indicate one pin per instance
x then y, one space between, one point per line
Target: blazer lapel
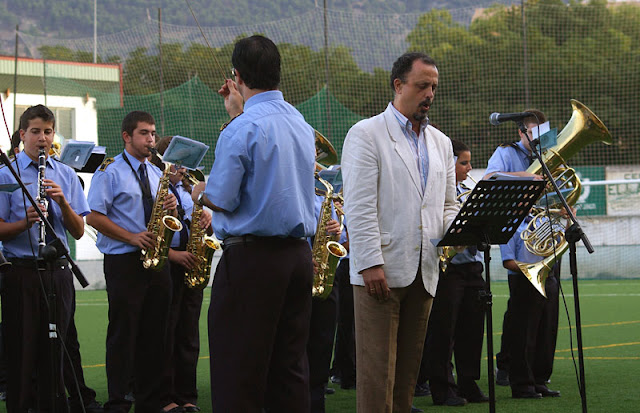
401 146
434 165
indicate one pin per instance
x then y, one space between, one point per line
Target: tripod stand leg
488 302
571 238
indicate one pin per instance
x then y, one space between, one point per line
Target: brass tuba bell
544 236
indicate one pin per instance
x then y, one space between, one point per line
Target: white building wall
85 123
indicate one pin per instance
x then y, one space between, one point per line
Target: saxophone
326 252
201 246
162 225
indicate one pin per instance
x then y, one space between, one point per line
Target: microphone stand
47 254
573 234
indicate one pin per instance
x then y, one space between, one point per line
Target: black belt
32 262
251 239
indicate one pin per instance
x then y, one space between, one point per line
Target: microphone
497 118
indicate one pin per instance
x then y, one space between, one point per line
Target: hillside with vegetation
74 18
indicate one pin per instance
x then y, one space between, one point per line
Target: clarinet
42 195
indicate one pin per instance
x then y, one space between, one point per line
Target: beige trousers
389 340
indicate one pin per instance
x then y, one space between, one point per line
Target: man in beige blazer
399 189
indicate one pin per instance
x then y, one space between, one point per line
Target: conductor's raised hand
233 101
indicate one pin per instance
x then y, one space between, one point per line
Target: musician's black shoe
477 398
414 409
177 409
191 409
526 395
422 390
452 401
469 390
546 392
92 407
335 379
329 390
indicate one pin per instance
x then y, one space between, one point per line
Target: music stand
491 215
82 156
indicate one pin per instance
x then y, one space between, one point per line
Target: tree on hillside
573 51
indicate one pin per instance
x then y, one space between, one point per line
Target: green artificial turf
611 338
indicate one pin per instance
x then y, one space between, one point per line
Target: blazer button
419 226
417 248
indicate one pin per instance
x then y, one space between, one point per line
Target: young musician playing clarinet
25 316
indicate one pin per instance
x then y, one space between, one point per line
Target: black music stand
491 215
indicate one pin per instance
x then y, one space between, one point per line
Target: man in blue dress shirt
25 314
261 190
139 298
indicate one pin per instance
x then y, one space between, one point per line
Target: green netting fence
336 71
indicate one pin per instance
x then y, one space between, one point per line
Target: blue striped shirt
417 143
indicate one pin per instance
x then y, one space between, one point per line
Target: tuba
545 234
200 244
161 224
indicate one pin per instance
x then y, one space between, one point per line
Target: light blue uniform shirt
187 205
417 143
12 204
263 172
115 192
508 159
515 248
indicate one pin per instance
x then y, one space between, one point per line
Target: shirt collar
135 164
24 161
263 97
524 150
404 121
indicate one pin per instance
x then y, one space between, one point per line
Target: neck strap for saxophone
146 194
